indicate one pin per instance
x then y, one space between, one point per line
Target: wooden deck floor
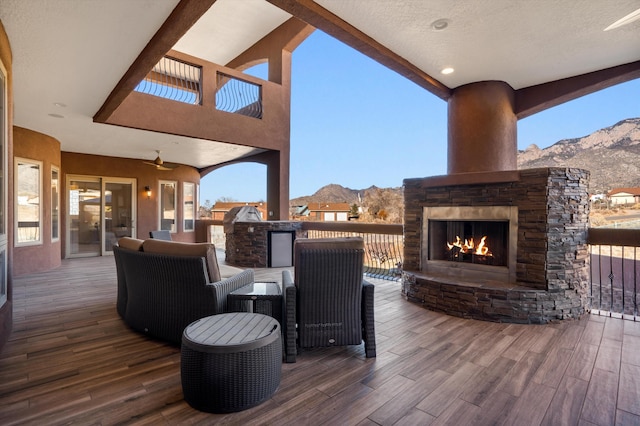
71 360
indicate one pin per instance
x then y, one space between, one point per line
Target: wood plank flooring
71 360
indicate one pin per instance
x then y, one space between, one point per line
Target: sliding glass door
100 210
118 211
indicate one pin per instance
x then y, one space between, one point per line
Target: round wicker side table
230 362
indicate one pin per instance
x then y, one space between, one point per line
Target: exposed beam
331 24
533 99
286 37
260 158
181 19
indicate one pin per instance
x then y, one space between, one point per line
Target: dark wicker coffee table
259 297
230 362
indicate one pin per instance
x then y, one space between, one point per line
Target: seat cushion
130 243
206 250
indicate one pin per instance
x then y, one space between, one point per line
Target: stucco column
482 128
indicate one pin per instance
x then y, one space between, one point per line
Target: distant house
328 212
624 196
299 212
220 208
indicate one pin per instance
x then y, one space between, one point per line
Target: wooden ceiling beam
533 99
313 14
181 19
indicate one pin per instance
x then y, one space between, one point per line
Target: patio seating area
71 359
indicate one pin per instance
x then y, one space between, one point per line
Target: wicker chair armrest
223 287
368 321
289 326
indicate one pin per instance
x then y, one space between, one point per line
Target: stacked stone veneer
552 269
247 245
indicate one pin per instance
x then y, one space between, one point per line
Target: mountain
612 155
329 194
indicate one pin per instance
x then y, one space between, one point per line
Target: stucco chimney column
482 128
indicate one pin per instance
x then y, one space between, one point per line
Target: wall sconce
147 189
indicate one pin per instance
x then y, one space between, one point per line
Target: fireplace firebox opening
470 242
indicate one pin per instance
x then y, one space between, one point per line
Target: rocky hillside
612 155
331 194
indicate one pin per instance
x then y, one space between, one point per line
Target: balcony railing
383 244
615 272
238 96
180 81
174 80
614 286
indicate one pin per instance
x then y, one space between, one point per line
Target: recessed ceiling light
633 16
60 104
56 115
447 70
440 24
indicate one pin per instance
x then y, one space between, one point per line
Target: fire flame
469 246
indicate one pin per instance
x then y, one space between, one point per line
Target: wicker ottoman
230 362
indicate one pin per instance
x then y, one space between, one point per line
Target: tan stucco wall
40 147
145 175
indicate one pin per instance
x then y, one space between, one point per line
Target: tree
204 212
384 204
226 200
354 212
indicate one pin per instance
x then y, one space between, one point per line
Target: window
168 206
55 203
28 207
4 108
189 200
3 154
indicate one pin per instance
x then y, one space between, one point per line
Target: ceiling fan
161 165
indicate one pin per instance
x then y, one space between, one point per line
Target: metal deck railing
614 285
384 244
615 272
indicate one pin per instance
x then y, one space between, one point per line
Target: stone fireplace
502 246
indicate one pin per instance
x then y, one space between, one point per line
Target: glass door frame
103 219
103 181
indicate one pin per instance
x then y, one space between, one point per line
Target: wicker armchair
328 303
165 293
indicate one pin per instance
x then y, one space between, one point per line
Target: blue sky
353 121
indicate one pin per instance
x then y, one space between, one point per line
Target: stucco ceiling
521 42
68 55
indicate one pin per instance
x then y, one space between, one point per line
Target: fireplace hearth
500 246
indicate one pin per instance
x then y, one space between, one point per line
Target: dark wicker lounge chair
329 301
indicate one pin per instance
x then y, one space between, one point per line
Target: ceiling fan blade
163 166
166 166
150 163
